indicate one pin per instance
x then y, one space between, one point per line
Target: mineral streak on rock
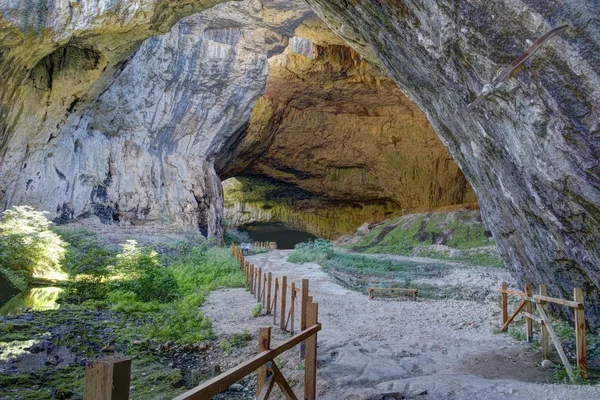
531 151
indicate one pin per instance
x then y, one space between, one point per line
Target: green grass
413 235
402 273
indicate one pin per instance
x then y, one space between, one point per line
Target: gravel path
423 350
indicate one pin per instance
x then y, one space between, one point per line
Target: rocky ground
428 349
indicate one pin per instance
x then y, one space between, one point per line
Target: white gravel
443 349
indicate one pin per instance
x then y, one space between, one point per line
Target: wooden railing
285 301
525 307
109 379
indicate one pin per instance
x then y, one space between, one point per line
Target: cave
333 119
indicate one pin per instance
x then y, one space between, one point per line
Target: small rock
363 230
108 349
546 364
236 387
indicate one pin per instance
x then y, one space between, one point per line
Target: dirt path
423 350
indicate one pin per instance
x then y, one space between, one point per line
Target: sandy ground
428 349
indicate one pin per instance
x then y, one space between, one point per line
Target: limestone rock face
532 149
335 127
102 127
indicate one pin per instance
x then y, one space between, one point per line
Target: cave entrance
283 235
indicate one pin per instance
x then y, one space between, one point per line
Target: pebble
236 387
546 364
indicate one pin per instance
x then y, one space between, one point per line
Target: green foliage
236 341
414 235
27 244
144 274
257 310
312 251
85 254
236 236
561 376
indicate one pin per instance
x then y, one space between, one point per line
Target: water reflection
38 299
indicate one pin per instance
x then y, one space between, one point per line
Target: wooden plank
269 284
395 289
529 309
532 317
504 303
283 383
573 304
222 382
544 329
580 334
513 292
310 361
267 388
556 342
252 278
514 314
283 301
371 294
107 379
264 344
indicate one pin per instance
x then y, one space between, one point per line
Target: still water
12 302
285 237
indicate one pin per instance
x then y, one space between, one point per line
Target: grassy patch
462 237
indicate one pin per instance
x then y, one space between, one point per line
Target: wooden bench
413 292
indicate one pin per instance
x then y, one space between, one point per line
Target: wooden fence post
251 283
276 294
303 304
263 294
529 309
269 283
544 339
580 333
107 379
259 285
293 300
264 344
283 301
310 362
504 303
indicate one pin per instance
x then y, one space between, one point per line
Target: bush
236 236
144 275
312 251
256 310
85 255
28 245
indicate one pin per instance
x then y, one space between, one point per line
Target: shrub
311 251
257 310
144 275
85 255
28 245
236 236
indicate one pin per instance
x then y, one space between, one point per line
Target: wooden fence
264 245
109 379
525 307
284 300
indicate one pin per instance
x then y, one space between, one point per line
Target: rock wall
262 200
531 150
95 124
333 126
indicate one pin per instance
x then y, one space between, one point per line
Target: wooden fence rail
547 333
